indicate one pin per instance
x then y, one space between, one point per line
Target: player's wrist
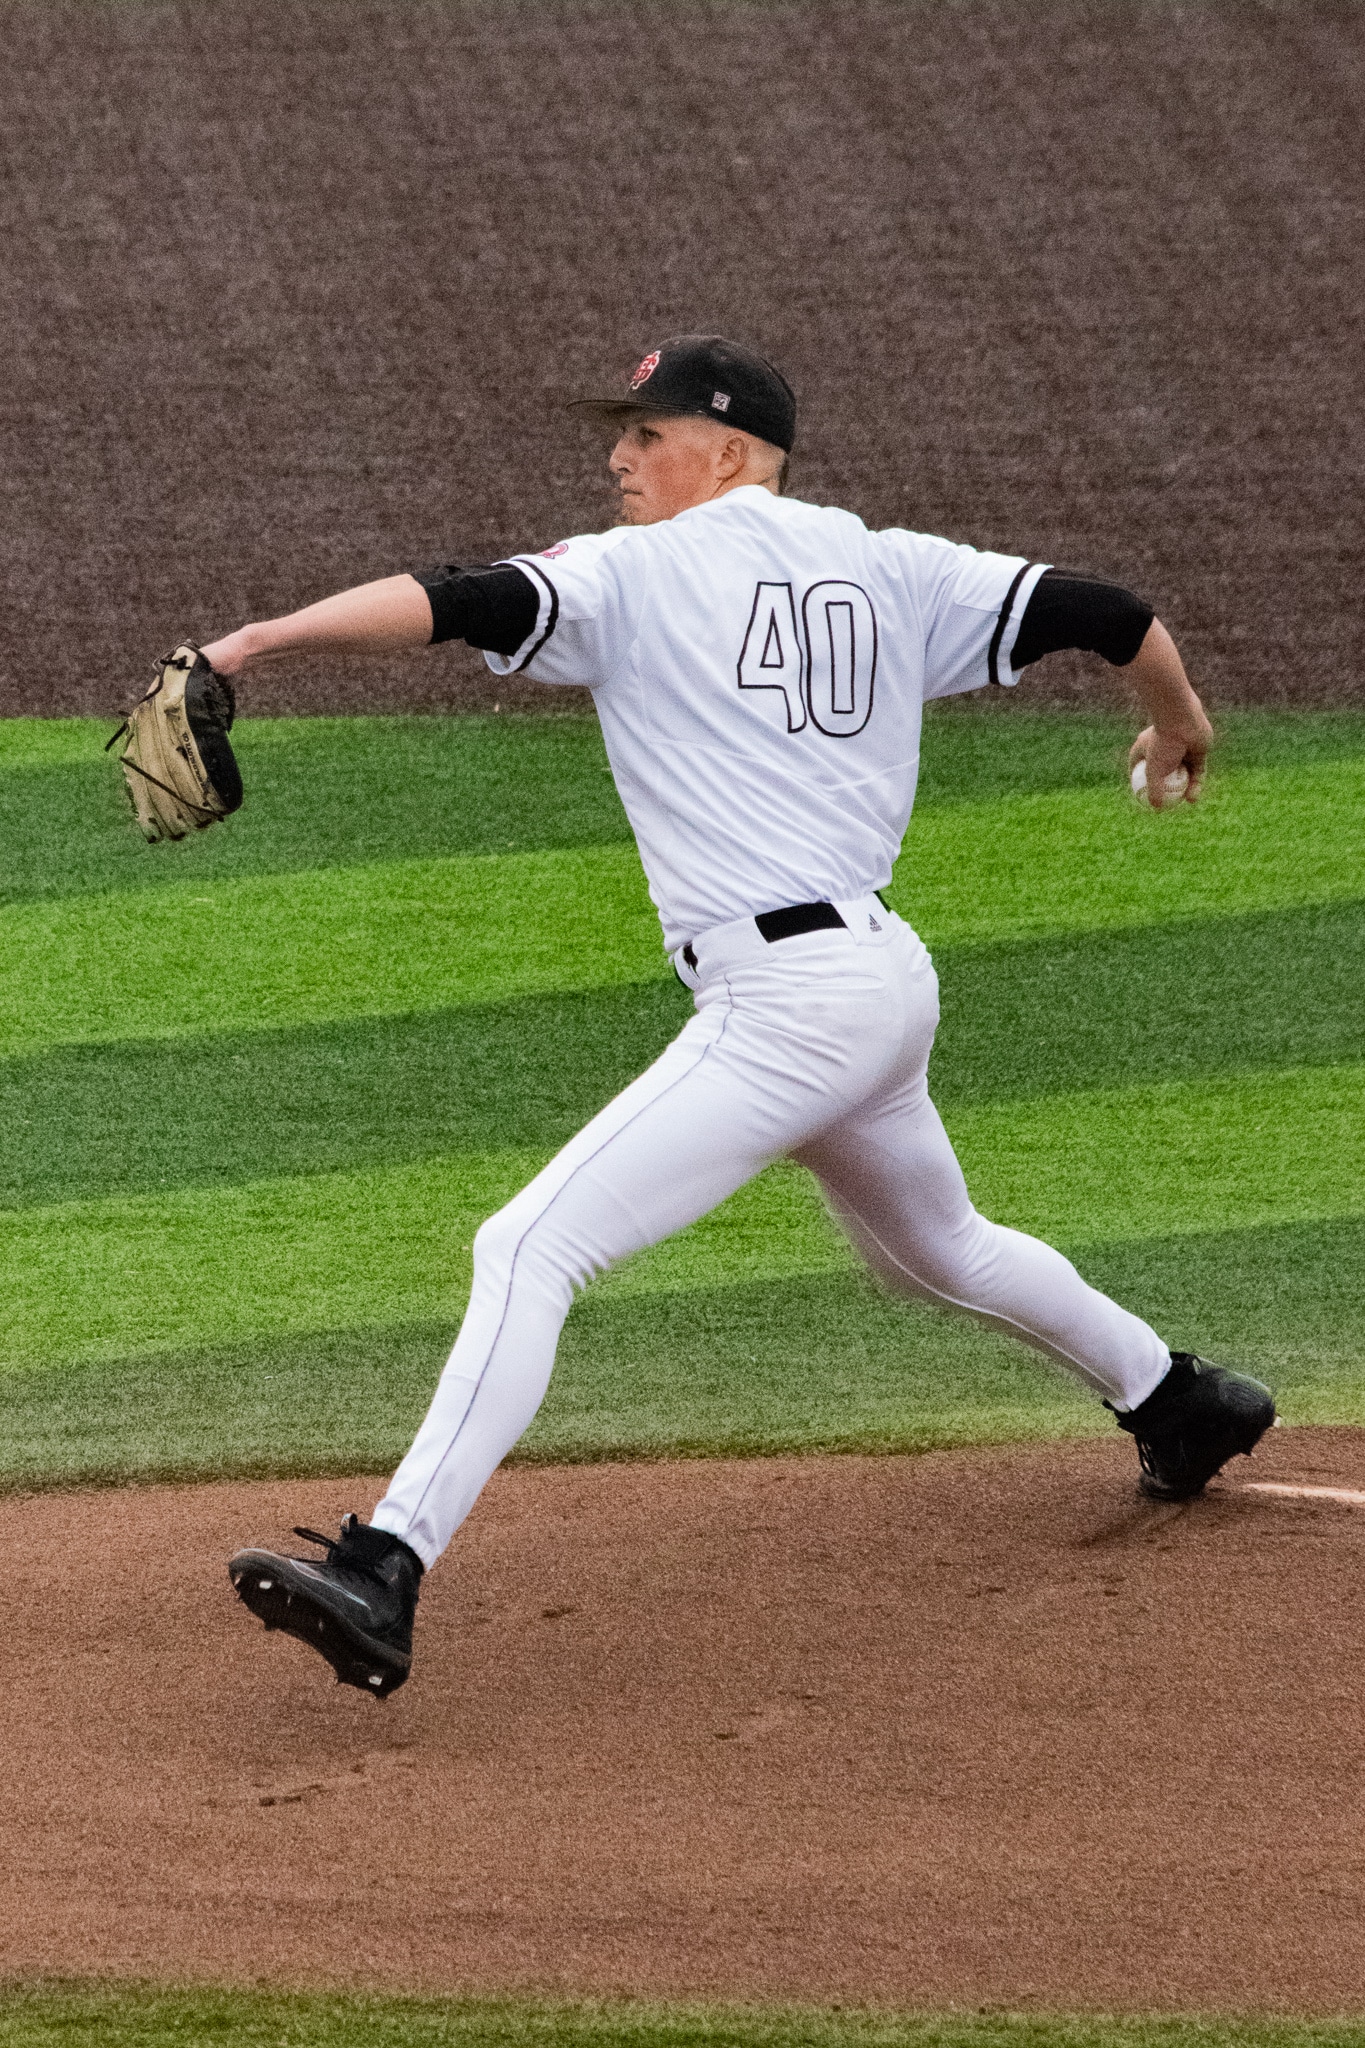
230 655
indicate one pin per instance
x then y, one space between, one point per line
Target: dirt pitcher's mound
960 1728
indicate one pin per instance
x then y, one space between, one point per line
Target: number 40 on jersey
821 655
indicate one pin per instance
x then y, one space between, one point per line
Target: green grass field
77 2016
260 1089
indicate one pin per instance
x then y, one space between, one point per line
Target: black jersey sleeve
492 606
1080 611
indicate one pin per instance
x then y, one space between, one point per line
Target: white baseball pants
816 1047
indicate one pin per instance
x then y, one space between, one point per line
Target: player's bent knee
495 1248
514 1249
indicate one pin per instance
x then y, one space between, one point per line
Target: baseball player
759 667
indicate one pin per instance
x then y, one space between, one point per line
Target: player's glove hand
177 759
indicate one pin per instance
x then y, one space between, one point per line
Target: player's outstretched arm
395 612
177 760
1177 735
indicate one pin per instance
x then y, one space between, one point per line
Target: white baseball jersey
759 667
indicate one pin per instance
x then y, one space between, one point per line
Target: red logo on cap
645 371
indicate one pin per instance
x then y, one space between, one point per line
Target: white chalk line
1343 1493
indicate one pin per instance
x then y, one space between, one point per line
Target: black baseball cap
708 377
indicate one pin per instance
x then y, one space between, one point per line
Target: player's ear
732 456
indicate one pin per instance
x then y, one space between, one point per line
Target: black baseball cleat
354 1607
1192 1423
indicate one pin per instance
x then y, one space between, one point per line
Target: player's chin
635 510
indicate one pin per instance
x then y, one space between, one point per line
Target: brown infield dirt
955 1729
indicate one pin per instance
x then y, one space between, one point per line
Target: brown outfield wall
974 1727
291 292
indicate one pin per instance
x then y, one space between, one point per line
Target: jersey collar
719 504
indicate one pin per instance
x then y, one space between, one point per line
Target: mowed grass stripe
92 1120
327 792
288 949
148 2016
802 1363
275 950
1093 860
977 747
1098 1009
1034 1018
94 1280
310 1252
1248 1150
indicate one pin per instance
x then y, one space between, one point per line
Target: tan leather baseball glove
177 760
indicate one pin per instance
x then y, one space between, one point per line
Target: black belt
788 923
798 918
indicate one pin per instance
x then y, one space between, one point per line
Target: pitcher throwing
759 667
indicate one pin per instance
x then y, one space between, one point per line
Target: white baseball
1172 789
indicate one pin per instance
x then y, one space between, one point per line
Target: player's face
663 466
